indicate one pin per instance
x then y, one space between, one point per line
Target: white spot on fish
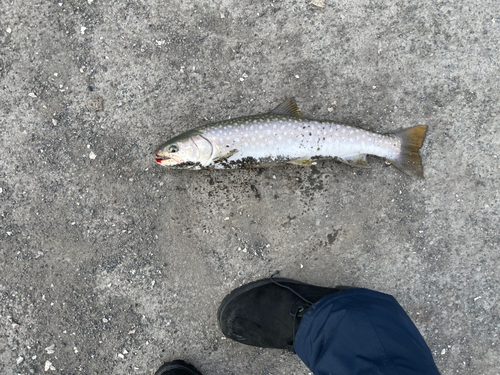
236 139
253 139
260 126
246 144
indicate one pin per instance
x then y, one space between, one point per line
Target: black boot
266 313
177 367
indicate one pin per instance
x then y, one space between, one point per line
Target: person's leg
361 331
369 332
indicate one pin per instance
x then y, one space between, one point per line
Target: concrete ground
111 264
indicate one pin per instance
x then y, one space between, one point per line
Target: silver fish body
284 136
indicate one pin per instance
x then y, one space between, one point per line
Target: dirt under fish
284 136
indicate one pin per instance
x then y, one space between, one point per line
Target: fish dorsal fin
288 107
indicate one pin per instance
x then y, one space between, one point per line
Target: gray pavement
111 264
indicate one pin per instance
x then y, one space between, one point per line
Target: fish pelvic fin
409 160
303 161
288 107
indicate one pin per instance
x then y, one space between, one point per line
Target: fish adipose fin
409 160
358 161
288 107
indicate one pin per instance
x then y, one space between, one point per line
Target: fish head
184 150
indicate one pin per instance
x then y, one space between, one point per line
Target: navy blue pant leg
361 332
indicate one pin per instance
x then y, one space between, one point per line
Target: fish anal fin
408 159
288 107
358 161
302 161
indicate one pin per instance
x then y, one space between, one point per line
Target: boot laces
299 309
290 289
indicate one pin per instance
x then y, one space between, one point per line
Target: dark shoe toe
177 367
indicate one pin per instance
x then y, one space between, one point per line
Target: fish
284 136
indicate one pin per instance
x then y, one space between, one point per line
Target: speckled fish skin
284 136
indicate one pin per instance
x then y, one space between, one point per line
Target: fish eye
173 148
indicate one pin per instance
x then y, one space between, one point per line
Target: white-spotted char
284 136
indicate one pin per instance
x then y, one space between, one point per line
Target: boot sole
245 288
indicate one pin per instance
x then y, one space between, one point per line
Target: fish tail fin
408 159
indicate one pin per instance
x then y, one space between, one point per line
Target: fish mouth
166 160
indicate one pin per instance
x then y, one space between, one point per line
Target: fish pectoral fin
288 107
228 155
303 161
358 161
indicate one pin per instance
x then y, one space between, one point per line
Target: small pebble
48 366
318 3
96 104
